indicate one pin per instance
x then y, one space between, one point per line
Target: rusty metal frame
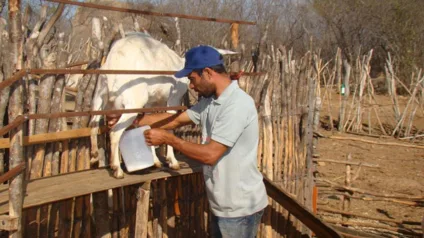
150 13
22 73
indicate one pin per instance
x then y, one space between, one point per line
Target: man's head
203 65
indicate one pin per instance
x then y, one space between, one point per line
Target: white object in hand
135 152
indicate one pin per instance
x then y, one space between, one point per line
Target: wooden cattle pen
54 190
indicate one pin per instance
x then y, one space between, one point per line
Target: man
230 132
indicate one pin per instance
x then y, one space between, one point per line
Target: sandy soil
400 172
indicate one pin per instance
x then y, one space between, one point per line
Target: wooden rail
320 228
15 123
105 112
150 13
12 173
17 76
22 118
52 137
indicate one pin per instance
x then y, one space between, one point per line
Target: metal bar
159 14
12 173
105 112
76 64
15 123
11 80
20 119
112 71
98 71
320 228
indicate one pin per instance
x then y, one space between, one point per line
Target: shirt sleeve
195 111
232 121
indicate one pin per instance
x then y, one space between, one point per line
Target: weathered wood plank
320 228
56 188
52 137
8 223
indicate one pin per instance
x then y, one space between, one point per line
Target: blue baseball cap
200 57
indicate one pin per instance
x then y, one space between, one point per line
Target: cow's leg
156 160
173 100
115 135
170 158
99 99
94 124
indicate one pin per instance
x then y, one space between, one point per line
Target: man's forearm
194 151
159 120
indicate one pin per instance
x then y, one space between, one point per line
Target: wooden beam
70 134
159 14
8 223
53 137
4 143
347 232
12 173
81 63
347 162
299 211
15 123
375 142
105 112
381 219
61 187
17 76
369 192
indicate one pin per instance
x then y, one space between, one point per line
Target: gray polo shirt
234 184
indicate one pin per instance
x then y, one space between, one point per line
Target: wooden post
345 96
164 208
346 199
142 211
267 124
391 87
235 65
309 183
177 46
84 98
8 70
100 199
16 109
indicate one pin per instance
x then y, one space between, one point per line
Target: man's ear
208 71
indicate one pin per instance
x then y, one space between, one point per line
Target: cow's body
137 52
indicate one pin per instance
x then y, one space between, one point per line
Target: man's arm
207 154
166 121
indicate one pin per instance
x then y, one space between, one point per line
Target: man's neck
224 82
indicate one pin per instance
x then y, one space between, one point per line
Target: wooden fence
285 136
170 206
286 99
349 90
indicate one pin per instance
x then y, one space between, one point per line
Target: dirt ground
400 171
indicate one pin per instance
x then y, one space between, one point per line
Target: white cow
141 52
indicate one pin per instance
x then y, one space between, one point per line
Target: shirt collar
226 93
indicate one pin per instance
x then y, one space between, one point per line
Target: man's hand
157 137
